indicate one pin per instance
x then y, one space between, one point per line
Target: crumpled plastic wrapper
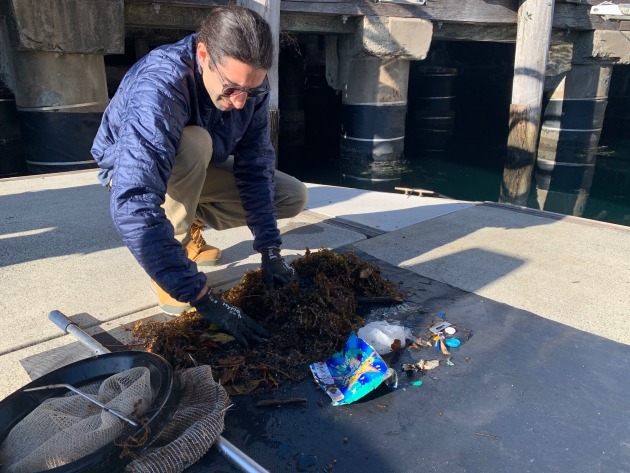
352 373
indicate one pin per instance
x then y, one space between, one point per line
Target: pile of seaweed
309 319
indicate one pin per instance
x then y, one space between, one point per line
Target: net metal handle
85 396
69 327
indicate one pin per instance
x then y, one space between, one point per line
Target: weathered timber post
532 47
270 11
371 69
59 75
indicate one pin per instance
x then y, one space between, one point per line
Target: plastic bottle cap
450 330
452 342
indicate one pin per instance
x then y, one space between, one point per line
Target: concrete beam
157 15
384 37
404 38
305 23
611 45
67 26
600 46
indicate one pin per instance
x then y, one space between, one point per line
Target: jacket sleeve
254 167
151 126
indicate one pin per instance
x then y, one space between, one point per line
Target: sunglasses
236 90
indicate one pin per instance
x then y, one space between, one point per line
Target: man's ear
202 53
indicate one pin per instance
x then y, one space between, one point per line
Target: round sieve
165 395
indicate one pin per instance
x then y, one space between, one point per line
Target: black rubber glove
276 272
230 319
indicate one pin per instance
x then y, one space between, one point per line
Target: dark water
609 200
473 172
471 165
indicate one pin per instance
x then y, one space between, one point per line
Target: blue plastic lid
452 342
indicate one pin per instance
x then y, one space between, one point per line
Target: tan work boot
199 251
168 305
203 255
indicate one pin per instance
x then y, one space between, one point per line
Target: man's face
230 74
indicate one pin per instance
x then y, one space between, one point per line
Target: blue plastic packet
352 373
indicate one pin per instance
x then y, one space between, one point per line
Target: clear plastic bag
381 335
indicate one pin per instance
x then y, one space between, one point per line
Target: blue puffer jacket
135 148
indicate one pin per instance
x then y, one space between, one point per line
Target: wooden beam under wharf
185 14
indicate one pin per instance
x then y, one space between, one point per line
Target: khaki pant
209 194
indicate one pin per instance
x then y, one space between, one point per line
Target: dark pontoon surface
525 394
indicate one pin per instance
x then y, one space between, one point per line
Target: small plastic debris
280 402
391 378
437 328
450 330
419 343
441 315
422 365
488 435
352 373
382 336
452 342
410 367
443 348
417 383
428 364
449 362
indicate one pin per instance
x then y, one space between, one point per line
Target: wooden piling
532 48
270 11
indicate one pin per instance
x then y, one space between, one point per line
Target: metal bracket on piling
421 192
612 11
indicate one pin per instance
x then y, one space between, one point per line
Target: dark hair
239 33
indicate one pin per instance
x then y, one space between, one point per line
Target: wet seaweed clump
309 320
